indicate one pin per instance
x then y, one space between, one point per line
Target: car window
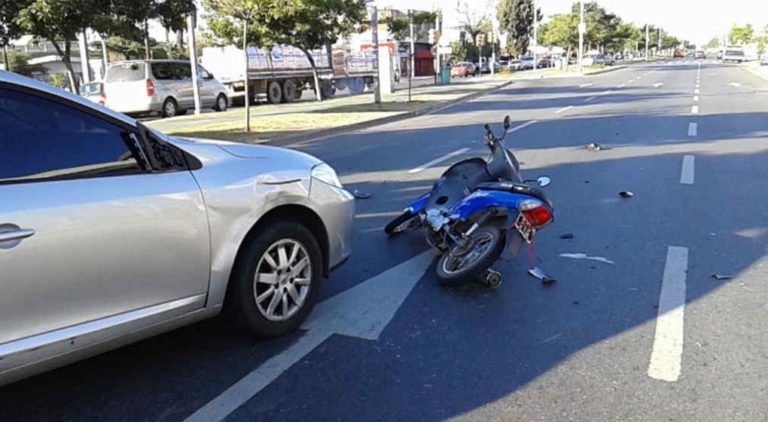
163 71
126 72
182 70
42 139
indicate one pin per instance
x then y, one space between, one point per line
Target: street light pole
647 29
375 42
582 30
193 60
413 45
535 27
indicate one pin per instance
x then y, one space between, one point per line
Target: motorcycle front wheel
459 266
401 223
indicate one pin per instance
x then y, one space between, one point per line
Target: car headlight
326 174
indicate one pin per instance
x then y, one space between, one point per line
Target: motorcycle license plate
524 227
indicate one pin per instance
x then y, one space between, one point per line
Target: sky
695 20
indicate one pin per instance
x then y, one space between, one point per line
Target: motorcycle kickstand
491 278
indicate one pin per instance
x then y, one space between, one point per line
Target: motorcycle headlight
326 174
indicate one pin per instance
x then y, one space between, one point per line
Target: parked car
111 232
93 91
526 62
678 54
463 69
544 62
764 60
593 60
608 60
486 68
514 65
700 55
160 86
733 55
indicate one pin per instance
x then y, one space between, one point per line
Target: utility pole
247 99
647 29
535 29
411 61
493 47
582 31
659 41
193 59
5 58
375 42
85 67
413 46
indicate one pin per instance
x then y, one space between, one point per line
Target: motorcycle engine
437 218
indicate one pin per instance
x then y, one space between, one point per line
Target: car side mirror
507 123
209 76
544 181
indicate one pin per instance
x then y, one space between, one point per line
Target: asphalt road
644 334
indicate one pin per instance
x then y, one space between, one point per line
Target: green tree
741 35
400 29
60 22
562 31
713 43
516 18
9 28
19 63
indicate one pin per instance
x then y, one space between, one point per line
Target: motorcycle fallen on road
471 211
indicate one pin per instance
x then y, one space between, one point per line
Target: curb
324 133
756 72
606 70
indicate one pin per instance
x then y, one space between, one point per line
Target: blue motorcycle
472 210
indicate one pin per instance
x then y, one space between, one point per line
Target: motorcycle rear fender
419 205
483 200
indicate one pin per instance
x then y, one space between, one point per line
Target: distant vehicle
113 232
608 60
93 91
514 65
733 54
526 62
700 54
463 69
618 57
544 62
160 86
594 60
486 68
764 61
678 54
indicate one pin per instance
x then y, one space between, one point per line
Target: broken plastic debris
722 276
361 195
541 275
594 146
566 236
626 194
585 256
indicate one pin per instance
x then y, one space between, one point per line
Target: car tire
170 108
221 103
274 92
245 290
289 91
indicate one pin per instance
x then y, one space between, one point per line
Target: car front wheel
274 283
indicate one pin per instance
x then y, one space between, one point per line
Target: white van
160 86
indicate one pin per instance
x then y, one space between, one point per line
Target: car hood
289 157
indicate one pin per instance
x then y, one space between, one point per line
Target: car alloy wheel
283 280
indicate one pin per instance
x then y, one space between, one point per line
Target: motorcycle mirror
507 122
544 181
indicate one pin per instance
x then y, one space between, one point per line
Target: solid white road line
589 99
524 125
687 172
693 129
621 86
438 160
667 354
606 92
564 109
695 109
695 98
630 81
586 85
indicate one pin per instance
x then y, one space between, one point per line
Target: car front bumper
336 208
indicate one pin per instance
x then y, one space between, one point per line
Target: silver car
160 86
111 232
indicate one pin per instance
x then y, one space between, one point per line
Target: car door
183 74
88 231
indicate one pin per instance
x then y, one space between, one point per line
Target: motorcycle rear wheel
456 267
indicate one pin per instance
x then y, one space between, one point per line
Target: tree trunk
180 38
5 58
318 93
67 60
147 52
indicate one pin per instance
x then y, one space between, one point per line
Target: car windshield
126 72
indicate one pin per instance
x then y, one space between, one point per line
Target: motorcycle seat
512 187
